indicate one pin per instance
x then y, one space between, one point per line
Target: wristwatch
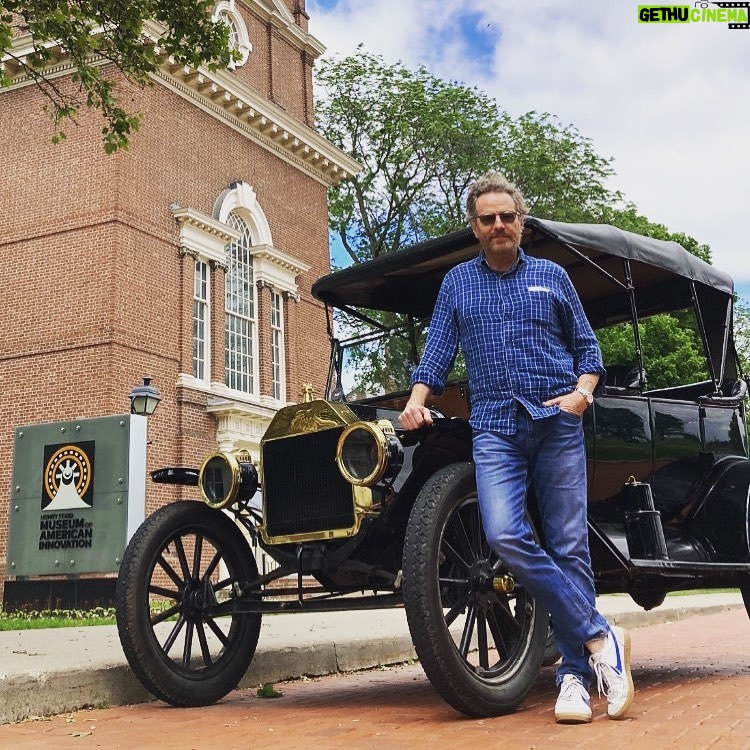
588 395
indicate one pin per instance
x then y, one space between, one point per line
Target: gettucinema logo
734 14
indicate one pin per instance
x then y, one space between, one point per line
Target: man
533 364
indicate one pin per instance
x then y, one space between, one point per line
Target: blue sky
669 103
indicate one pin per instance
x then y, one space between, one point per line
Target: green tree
89 31
672 353
672 348
559 172
422 141
742 333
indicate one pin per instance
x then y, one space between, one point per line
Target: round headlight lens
365 454
360 455
223 479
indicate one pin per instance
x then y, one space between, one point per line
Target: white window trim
277 269
241 418
240 195
203 234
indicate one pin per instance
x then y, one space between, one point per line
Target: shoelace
603 670
571 689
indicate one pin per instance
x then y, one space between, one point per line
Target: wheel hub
197 599
482 577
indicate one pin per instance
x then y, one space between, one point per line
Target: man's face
498 240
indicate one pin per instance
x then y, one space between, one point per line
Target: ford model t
356 513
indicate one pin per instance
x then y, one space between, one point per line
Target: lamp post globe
144 398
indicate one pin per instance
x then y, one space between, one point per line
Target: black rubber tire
448 572
174 557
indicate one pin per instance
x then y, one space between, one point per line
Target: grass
56 618
75 618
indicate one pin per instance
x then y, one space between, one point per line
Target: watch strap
588 395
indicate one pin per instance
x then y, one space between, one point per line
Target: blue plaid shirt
523 333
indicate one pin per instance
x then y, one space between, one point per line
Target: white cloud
670 103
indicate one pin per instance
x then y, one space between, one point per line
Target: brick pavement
692 682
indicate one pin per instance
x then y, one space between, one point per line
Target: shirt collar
521 258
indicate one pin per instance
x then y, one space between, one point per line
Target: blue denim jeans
547 455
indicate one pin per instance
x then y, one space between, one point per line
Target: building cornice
205 224
283 260
225 97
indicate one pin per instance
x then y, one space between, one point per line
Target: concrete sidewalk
44 672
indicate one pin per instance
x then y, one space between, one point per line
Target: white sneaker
612 669
572 705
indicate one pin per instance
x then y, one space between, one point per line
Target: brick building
189 258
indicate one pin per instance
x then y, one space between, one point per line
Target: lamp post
144 399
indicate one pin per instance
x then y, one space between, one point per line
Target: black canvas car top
601 260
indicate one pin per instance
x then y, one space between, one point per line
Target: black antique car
356 513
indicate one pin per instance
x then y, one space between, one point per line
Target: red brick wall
96 294
275 68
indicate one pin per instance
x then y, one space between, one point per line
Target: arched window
241 333
260 282
239 40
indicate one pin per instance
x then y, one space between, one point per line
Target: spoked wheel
480 644
183 561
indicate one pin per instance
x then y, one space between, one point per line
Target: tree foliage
559 172
90 31
671 349
742 333
422 141
417 138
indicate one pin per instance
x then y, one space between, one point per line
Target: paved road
692 682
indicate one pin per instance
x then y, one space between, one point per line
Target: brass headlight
227 477
368 452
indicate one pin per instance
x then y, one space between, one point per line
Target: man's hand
415 413
414 416
573 402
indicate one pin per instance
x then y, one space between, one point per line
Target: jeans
547 455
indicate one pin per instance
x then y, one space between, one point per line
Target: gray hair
493 182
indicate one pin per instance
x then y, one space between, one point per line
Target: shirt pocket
538 305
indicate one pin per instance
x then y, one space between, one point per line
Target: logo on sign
68 481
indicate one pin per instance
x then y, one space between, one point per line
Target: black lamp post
144 399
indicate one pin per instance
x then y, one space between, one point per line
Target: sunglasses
507 217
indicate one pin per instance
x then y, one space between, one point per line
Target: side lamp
144 399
